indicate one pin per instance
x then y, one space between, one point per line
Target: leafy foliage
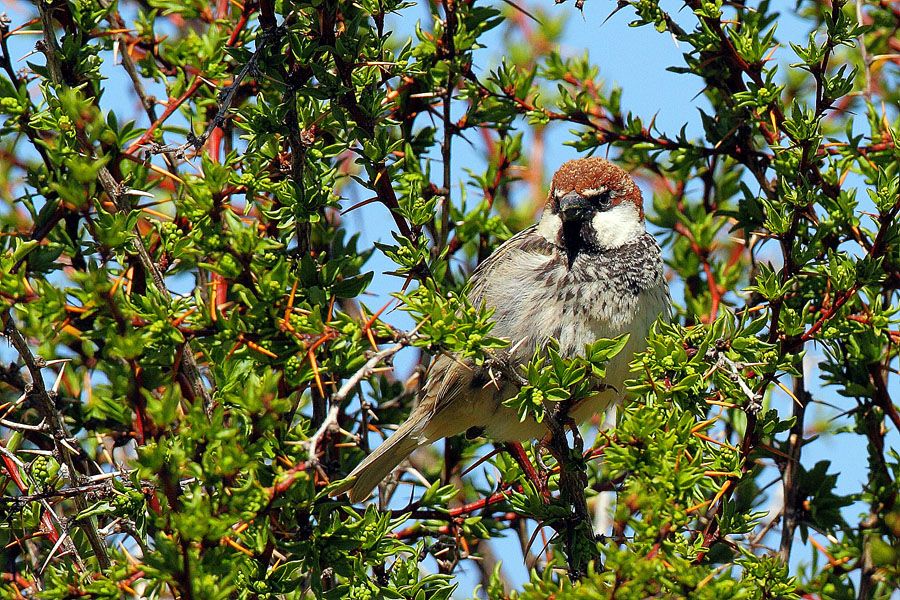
200 302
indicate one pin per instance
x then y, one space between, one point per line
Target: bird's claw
503 364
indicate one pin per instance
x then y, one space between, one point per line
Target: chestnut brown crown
595 177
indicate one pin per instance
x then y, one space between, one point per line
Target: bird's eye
600 198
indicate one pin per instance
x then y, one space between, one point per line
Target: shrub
197 352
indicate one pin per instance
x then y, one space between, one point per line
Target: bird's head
593 205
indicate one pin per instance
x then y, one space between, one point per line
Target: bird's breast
576 305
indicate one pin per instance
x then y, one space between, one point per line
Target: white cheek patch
617 226
550 226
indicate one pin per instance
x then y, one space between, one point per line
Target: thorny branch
791 510
117 194
331 421
225 102
449 48
576 529
67 448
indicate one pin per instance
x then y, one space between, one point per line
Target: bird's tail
378 465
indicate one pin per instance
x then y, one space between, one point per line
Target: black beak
573 206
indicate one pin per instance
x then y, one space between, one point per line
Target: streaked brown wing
526 241
450 376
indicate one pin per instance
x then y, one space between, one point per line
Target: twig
148 102
22 426
792 510
226 96
94 489
450 25
171 106
59 543
59 431
331 420
13 458
751 410
115 191
576 528
225 100
867 62
717 352
382 183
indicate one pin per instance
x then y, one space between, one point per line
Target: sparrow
587 270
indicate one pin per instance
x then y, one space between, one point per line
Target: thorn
133 192
32 53
359 205
619 6
53 550
524 12
59 377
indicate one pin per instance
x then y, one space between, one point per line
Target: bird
588 269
